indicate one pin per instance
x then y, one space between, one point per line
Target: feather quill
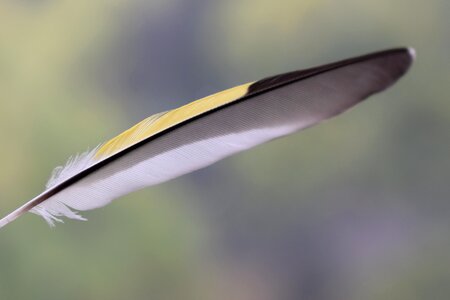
176 142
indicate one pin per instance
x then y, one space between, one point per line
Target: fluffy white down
74 165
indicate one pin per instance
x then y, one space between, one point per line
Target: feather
179 141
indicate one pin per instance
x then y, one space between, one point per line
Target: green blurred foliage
356 208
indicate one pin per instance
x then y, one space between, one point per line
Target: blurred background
356 208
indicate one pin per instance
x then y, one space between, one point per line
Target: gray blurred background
355 208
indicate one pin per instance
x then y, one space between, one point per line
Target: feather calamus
179 141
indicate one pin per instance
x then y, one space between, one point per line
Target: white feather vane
176 142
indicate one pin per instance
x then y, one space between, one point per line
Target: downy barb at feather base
179 141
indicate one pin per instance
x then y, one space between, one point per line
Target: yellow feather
162 121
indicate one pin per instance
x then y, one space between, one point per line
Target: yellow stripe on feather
162 121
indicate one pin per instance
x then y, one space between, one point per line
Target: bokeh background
356 208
